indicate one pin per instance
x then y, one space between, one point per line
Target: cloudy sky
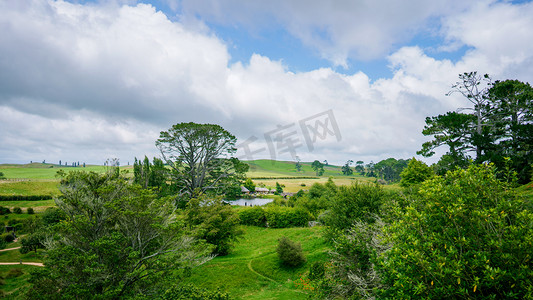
337 80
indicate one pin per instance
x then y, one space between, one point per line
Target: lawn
253 270
15 282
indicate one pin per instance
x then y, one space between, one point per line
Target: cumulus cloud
96 81
339 30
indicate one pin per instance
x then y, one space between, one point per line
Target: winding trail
9 249
22 263
19 263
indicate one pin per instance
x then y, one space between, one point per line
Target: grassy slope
253 271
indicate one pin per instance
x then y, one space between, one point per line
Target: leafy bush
358 202
191 292
8 237
31 242
17 210
30 211
214 222
4 210
467 236
283 217
254 216
290 253
415 173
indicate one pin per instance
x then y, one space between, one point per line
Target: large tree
318 167
116 240
512 114
200 156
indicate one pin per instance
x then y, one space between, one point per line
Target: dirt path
22 263
9 249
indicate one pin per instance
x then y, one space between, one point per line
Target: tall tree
200 157
346 170
475 89
512 114
116 240
318 167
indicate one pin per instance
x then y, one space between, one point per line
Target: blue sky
92 80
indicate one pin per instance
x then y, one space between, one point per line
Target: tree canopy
200 156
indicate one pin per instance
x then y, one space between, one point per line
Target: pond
250 202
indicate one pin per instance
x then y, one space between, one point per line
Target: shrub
283 217
467 236
3 244
214 222
358 202
290 253
254 216
17 210
191 292
416 172
8 237
4 210
30 211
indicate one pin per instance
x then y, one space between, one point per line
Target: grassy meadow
253 271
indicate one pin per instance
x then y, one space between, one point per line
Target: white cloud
90 82
365 29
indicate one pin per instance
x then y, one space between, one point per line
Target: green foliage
318 167
52 215
115 240
31 242
24 197
415 173
346 170
358 202
8 237
353 272
4 210
190 292
14 273
198 155
249 184
30 211
17 210
389 169
213 221
499 125
467 236
283 217
152 175
279 188
254 216
290 253
317 270
2 176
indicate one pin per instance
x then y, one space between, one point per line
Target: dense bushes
274 217
283 217
4 210
465 235
290 253
468 235
17 210
254 216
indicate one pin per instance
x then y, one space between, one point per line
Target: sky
87 81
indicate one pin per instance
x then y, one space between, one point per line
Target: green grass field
253 270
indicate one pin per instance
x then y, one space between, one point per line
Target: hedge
25 197
274 217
